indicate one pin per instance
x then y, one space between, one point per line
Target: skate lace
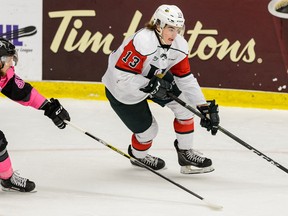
150 160
17 180
193 155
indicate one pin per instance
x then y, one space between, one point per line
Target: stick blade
213 205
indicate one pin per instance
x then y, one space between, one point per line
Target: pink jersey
35 98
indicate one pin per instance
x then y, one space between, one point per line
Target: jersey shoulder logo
19 82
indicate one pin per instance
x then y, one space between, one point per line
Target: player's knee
148 134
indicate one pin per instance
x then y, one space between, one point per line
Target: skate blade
195 170
16 191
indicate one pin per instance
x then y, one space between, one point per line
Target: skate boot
154 163
191 162
17 183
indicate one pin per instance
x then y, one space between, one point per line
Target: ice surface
78 176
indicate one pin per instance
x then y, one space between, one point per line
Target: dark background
233 20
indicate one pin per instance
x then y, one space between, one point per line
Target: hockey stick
23 32
223 130
209 204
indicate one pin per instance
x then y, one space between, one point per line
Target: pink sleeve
4 80
36 99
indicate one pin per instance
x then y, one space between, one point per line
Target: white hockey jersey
141 56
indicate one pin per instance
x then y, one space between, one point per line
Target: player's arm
23 93
189 85
130 65
20 91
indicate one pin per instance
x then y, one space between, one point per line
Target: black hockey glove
211 120
55 111
158 88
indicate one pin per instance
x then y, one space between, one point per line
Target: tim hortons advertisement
232 44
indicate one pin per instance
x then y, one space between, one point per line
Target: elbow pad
16 89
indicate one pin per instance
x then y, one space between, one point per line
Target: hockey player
13 87
147 65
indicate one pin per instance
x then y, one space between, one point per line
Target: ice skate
17 183
191 162
154 163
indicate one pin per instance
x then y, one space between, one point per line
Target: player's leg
138 118
9 179
189 160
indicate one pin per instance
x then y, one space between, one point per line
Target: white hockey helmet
170 15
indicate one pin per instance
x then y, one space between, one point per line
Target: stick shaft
237 139
226 132
141 164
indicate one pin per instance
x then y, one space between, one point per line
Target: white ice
78 176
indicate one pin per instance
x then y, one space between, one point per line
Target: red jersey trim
131 60
182 68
